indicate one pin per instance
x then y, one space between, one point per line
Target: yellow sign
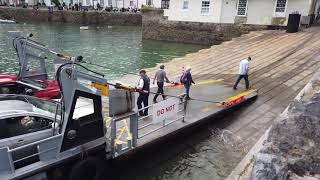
103 88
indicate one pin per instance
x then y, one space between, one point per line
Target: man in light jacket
243 72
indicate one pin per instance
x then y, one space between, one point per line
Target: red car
32 78
45 89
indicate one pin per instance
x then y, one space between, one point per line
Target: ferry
96 120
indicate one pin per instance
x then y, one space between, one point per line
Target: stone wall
291 150
155 26
77 17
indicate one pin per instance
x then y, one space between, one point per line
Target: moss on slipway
292 149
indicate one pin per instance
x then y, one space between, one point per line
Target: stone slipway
285 165
282 65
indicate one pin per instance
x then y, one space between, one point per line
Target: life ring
90 168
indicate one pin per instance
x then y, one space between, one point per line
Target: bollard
119 146
129 140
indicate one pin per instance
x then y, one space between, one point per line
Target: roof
17 104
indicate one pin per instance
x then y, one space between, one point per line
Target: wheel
90 168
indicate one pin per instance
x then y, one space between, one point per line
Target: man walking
143 89
243 72
160 76
186 80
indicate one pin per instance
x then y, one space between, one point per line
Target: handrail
34 143
128 144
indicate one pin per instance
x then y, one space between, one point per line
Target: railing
126 130
42 150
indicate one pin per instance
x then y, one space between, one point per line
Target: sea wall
157 27
291 150
154 25
77 17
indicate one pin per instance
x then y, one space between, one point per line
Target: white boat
84 27
5 21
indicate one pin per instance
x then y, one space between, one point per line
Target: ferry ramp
281 65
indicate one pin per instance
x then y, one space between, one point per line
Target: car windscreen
44 105
35 83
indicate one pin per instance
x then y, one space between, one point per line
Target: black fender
90 168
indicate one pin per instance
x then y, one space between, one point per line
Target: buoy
84 27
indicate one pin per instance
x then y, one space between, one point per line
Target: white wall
224 11
156 3
126 3
176 13
260 11
302 6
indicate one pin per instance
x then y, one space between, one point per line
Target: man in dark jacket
161 77
187 80
143 89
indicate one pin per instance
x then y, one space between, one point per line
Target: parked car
24 119
45 89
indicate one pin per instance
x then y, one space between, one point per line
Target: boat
5 21
84 27
84 129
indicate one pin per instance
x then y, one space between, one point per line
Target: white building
134 3
264 12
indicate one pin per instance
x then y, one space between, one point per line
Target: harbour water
206 153
117 49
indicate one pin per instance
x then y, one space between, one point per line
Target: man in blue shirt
243 72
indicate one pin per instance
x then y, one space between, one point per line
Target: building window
131 3
280 8
185 4
242 7
165 4
205 7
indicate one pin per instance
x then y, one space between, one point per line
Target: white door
229 9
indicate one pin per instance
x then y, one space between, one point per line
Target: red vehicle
32 78
45 89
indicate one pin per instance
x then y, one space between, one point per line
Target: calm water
207 153
117 49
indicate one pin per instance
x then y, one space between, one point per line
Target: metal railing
45 150
125 130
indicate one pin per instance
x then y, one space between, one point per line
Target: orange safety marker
234 100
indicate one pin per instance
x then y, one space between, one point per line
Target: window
131 3
242 7
205 7
84 107
280 8
165 4
16 126
185 4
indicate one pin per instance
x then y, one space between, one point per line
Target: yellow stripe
240 95
209 82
